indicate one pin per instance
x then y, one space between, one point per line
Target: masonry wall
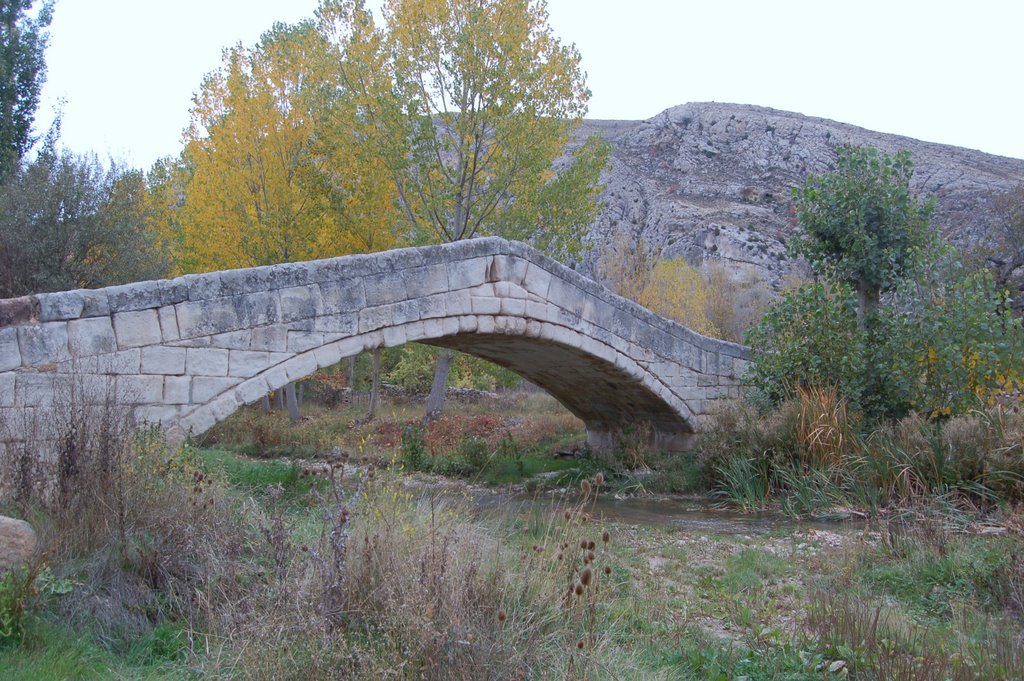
187 352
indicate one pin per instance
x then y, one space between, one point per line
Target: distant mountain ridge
709 181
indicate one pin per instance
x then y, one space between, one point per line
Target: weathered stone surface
226 339
45 343
60 306
135 329
711 182
205 388
10 355
91 336
15 311
159 359
17 543
206 362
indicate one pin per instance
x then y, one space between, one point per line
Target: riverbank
220 561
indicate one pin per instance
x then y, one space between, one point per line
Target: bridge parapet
187 352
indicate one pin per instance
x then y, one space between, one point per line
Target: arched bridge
188 352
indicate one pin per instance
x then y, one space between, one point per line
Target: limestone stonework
187 352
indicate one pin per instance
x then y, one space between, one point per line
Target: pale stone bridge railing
188 352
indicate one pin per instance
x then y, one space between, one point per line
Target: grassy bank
211 562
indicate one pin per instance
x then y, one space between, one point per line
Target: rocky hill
712 181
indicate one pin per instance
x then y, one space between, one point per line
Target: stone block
300 366
394 336
349 346
61 306
346 323
232 340
485 324
537 280
206 286
206 388
45 343
135 329
301 341
140 389
427 280
95 303
206 362
197 422
415 331
163 360
177 390
206 317
10 354
385 288
168 324
37 390
300 302
276 377
132 297
513 307
7 381
486 306
122 362
173 291
14 311
450 326
161 414
468 324
248 363
270 338
467 273
434 328
224 406
257 309
327 355
252 390
346 295
373 318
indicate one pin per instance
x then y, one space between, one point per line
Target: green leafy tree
472 105
943 342
23 42
860 223
67 221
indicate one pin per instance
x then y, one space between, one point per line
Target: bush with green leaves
895 322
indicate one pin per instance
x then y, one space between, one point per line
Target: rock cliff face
710 181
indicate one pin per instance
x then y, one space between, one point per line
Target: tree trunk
375 386
435 401
293 403
280 397
352 372
868 300
265 404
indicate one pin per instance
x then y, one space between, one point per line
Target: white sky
940 71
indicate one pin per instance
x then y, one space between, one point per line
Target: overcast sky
939 71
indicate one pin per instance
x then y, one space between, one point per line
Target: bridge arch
188 352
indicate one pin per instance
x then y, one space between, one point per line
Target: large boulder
17 542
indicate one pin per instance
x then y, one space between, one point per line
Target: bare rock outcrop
709 181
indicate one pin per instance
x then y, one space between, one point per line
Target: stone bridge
188 352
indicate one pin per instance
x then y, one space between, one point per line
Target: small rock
17 542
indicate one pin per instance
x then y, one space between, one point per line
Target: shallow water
687 514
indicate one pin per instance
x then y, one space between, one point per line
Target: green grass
51 652
251 476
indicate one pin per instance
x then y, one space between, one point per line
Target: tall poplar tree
472 105
23 42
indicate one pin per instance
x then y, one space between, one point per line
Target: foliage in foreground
813 454
896 322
